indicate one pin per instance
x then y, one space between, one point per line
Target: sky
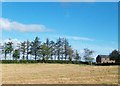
60 0
92 25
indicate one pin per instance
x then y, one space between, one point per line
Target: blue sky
86 25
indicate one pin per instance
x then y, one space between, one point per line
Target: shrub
40 61
18 61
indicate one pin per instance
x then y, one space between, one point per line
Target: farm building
104 59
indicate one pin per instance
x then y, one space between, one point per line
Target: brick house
104 59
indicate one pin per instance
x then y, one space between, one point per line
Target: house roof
104 56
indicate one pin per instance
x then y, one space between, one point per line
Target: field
58 74
0 74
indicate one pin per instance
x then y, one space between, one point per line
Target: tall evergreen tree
6 51
52 49
66 46
58 48
45 52
16 54
27 49
35 46
23 49
47 48
8 48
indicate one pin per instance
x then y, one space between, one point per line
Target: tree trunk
51 57
43 60
65 56
23 57
35 56
27 56
58 55
10 55
5 55
70 59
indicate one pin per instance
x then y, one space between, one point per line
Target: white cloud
78 38
6 24
81 38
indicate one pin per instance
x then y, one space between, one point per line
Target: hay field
0 74
58 74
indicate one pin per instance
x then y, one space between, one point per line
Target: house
104 59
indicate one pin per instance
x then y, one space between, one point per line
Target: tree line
48 50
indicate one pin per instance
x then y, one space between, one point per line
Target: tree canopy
115 55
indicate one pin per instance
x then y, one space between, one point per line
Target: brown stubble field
58 74
0 74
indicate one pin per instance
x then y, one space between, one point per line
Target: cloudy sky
86 25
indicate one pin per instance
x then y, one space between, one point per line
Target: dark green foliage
16 54
35 46
27 49
28 61
23 49
52 49
43 52
6 51
18 61
58 48
9 61
115 55
40 61
8 48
